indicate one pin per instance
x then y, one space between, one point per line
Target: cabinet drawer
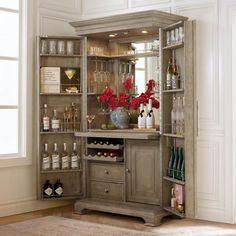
109 191
106 172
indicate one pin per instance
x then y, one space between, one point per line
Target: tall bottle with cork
150 117
141 117
46 119
173 116
46 159
169 74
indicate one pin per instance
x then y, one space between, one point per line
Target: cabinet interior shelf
59 132
60 94
174 46
174 180
60 55
175 25
60 171
105 146
173 135
173 91
64 197
103 158
174 212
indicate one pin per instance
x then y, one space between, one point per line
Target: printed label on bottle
59 191
74 162
168 81
65 162
55 162
55 124
48 191
45 123
46 163
174 81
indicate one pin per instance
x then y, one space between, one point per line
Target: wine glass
90 119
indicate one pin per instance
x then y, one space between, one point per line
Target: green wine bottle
182 171
176 161
181 159
171 162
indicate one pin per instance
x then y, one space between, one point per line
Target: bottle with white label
141 117
46 119
65 159
58 188
55 158
55 122
47 189
173 117
75 160
149 118
169 74
46 159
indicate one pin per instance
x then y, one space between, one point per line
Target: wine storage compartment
103 149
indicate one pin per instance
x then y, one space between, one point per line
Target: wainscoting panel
142 3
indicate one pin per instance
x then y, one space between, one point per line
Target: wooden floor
169 226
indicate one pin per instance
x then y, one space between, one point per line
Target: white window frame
25 76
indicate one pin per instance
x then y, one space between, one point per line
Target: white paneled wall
216 20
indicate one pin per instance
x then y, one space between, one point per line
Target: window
12 79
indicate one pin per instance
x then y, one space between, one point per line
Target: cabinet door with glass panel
60 73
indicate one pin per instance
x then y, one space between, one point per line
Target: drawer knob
127 170
106 172
106 190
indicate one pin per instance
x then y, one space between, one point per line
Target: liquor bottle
47 189
171 162
173 116
66 119
55 122
180 162
175 163
175 77
76 120
169 74
168 39
141 117
46 159
182 169
150 117
75 158
173 201
55 158
58 188
181 129
65 159
178 116
46 119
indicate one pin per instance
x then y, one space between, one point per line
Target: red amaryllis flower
150 84
128 83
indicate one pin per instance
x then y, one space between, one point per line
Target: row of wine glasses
103 71
125 70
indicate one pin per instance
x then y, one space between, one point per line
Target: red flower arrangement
124 99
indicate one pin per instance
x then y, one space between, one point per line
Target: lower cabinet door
109 191
143 173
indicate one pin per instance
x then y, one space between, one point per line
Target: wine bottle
178 116
182 170
180 162
169 74
66 119
47 189
171 162
55 122
175 163
55 158
175 77
141 117
46 119
75 158
58 188
181 130
149 118
46 159
65 160
173 116
173 201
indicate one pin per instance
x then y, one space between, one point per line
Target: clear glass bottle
65 160
55 122
182 122
173 202
75 159
66 120
175 77
173 116
55 158
178 116
46 119
46 159
169 74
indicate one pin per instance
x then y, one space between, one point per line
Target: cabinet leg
152 221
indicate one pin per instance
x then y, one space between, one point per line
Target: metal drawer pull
106 172
106 190
127 170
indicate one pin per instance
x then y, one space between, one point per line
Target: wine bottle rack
103 158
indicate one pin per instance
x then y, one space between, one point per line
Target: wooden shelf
60 171
59 132
175 25
173 91
175 46
173 135
105 146
60 94
174 212
61 198
176 181
60 55
103 158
